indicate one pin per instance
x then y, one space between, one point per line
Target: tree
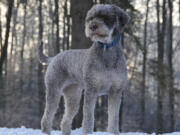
170 76
78 14
179 9
39 74
4 49
0 33
64 24
57 25
160 66
14 34
23 44
144 65
24 30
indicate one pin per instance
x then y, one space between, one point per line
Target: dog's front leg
88 112
114 101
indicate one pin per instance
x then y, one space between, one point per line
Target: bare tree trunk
68 31
57 25
4 49
24 31
67 35
52 48
40 75
14 29
2 99
159 106
22 49
170 68
144 67
179 9
0 34
159 125
160 74
78 14
64 26
3 57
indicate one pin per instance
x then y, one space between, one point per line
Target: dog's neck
106 46
117 48
110 56
109 48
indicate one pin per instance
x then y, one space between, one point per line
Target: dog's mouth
99 35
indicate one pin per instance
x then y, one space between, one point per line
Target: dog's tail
43 58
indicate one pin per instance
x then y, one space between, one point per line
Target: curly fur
95 70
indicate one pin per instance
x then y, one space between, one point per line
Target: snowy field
28 131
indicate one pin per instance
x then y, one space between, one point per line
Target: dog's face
105 22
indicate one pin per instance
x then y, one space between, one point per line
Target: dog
99 70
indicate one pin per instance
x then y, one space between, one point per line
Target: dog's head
105 22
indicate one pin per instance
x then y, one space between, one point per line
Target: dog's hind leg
72 96
114 101
53 94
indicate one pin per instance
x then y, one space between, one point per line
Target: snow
28 131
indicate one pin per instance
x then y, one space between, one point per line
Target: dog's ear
123 18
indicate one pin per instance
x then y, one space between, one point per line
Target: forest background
151 43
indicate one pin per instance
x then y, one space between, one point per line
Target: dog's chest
105 70
108 80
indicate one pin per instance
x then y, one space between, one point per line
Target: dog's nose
93 27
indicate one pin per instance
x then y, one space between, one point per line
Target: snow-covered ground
29 131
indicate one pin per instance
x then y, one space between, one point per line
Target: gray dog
99 70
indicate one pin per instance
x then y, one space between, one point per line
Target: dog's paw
45 126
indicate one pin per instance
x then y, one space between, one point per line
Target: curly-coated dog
99 70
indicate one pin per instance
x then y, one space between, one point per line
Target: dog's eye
89 19
109 21
103 17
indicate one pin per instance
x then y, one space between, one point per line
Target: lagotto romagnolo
99 70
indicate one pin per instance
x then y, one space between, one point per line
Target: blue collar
109 45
